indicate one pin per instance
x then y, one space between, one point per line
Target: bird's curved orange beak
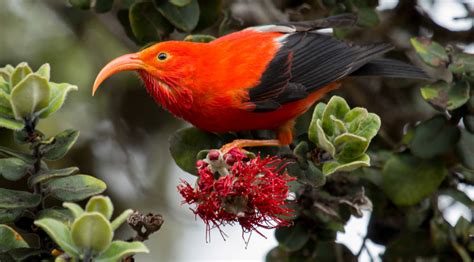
123 63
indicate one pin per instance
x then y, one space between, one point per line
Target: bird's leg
284 135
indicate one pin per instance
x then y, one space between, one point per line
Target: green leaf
336 107
147 24
103 6
6 71
368 126
350 146
30 96
468 121
19 73
187 142
75 188
184 18
61 145
407 180
4 95
13 168
434 137
367 17
10 239
60 234
199 38
74 208
81 4
9 215
10 152
118 221
322 141
180 3
92 231
331 167
462 63
292 238
312 176
46 175
209 13
120 249
59 214
44 71
444 96
57 98
430 52
11 123
313 126
101 204
18 199
465 149
354 117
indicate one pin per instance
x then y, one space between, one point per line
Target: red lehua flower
232 188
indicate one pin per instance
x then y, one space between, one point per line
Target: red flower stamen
251 192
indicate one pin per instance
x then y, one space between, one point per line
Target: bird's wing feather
305 62
337 21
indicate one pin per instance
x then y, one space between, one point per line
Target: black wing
306 62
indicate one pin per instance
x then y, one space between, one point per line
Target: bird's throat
173 98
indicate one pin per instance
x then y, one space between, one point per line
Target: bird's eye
162 56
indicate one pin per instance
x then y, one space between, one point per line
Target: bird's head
163 66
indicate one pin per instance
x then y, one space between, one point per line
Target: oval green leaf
44 71
331 167
336 107
462 63
101 204
60 214
18 199
75 188
13 168
430 52
10 239
58 94
29 96
184 18
434 137
118 221
292 238
186 143
147 24
120 249
61 144
444 96
60 233
11 123
45 175
407 180
19 73
92 231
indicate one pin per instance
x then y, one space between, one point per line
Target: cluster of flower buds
233 188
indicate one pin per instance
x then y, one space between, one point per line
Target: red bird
259 78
